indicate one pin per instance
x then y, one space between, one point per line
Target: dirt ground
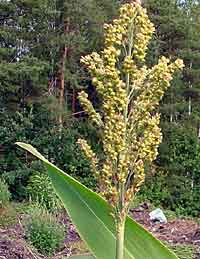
180 231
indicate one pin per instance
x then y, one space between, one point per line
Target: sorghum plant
130 135
128 122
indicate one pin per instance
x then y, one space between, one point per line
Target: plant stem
121 216
120 223
120 240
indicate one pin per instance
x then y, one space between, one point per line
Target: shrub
17 181
64 151
173 192
43 231
4 194
178 188
14 126
39 130
40 189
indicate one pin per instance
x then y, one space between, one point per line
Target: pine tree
24 67
177 24
178 35
81 24
41 44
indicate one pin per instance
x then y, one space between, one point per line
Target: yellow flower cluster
116 33
143 35
149 142
156 82
136 74
106 181
144 150
89 109
90 155
114 131
139 176
130 92
129 65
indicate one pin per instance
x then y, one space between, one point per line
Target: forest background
41 43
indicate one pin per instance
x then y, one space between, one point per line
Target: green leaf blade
83 216
91 215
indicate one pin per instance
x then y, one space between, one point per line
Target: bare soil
182 231
13 243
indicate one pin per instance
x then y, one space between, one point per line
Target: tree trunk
190 99
74 101
62 77
189 106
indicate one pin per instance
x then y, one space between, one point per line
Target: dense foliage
4 194
43 231
41 43
40 190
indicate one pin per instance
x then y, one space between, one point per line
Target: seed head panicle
130 92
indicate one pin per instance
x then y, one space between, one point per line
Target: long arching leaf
91 215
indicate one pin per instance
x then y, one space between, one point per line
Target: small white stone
158 215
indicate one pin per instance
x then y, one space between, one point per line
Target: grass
9 215
183 251
138 200
79 247
170 215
